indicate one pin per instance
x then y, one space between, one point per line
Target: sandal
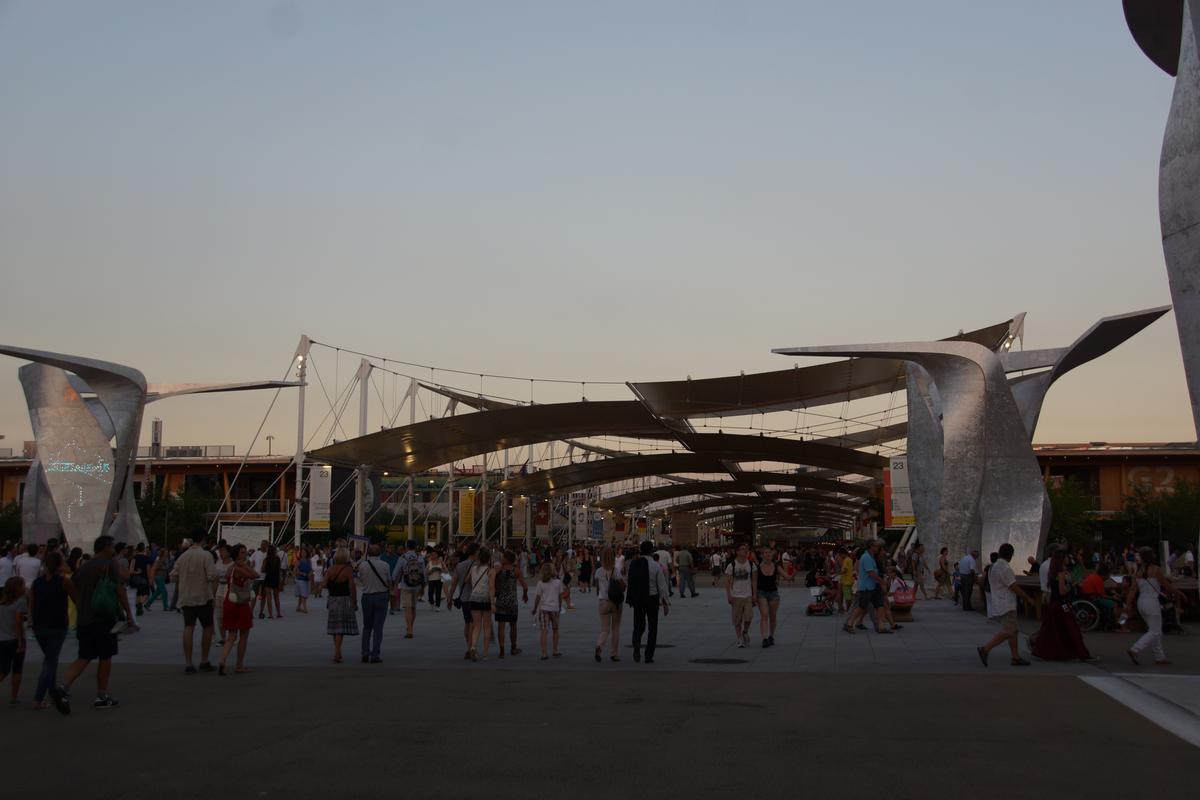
848 629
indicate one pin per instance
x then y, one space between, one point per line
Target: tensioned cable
253 441
463 371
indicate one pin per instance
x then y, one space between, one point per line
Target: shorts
1008 622
202 614
96 641
548 620
609 609
408 598
870 598
768 596
11 662
302 589
480 605
743 611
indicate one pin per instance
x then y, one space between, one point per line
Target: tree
1071 519
10 522
1172 514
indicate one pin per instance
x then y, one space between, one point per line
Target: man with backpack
409 577
98 607
647 590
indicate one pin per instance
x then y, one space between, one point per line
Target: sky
588 191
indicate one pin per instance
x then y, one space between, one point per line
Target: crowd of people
219 587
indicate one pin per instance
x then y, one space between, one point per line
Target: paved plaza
806 716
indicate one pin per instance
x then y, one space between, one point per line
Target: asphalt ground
392 732
822 714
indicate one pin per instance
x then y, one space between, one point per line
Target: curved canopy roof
670 491
424 445
740 447
798 387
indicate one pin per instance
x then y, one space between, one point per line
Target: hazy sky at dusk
602 191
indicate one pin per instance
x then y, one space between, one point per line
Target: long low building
1106 472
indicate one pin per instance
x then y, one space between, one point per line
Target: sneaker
376 660
105 702
746 638
207 667
61 698
766 643
771 639
740 645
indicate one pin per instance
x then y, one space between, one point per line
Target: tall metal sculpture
86 416
972 470
1166 31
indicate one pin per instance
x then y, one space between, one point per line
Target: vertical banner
597 530
466 513
897 501
621 527
640 527
519 530
541 525
433 531
319 478
581 522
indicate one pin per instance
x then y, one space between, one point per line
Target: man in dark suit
647 589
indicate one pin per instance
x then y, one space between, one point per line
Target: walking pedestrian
160 570
547 601
1149 585
460 591
1003 607
48 609
767 594
272 574
941 575
1059 638
870 590
919 568
342 607
685 569
14 607
481 579
376 589
611 587
139 576
504 599
434 569
195 573
741 580
646 592
99 596
237 611
967 568
304 573
409 578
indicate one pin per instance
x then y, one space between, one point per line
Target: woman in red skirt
1059 638
237 607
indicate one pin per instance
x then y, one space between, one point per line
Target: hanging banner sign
581 520
542 522
597 531
897 500
520 509
466 513
640 525
319 479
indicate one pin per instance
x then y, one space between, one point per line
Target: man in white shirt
194 574
966 574
257 559
1002 607
28 565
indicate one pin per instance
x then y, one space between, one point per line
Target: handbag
238 595
906 595
616 590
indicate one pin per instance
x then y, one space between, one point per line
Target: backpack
616 590
103 601
412 573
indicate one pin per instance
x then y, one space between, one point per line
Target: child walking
546 601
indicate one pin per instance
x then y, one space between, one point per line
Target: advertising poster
897 501
319 478
519 510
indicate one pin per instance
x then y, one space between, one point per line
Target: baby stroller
824 595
